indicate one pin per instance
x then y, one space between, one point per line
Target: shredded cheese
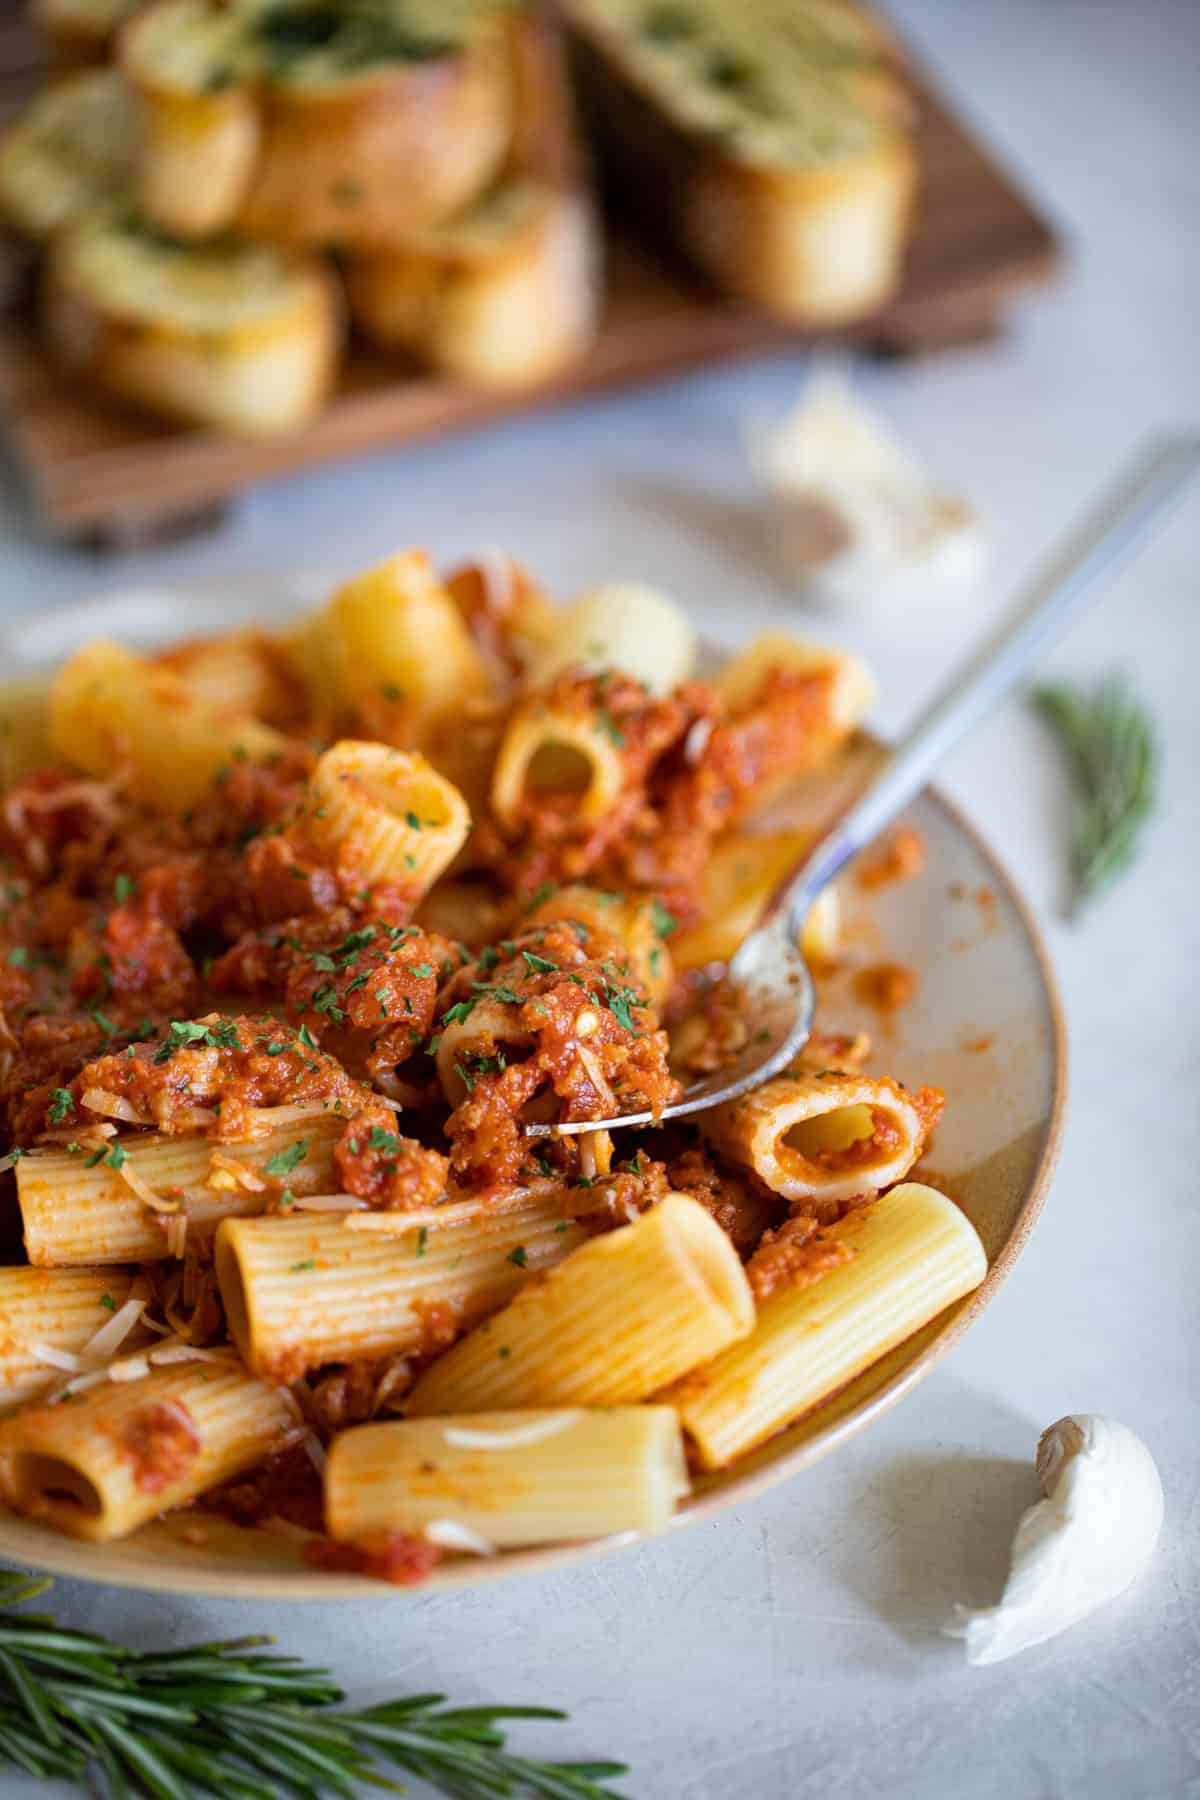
448 1534
516 1437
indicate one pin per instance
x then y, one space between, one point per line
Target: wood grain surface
978 244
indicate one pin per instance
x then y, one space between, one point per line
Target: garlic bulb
1085 1543
855 517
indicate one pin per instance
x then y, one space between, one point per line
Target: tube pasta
853 687
199 141
623 625
556 752
622 1317
110 709
915 1254
74 1214
110 1459
489 1028
24 727
241 672
510 1478
626 916
386 813
59 1309
404 659
737 884
822 1135
301 1292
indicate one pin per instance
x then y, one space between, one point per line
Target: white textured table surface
792 1649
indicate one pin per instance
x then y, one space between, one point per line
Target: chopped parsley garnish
422 1240
539 965
543 1164
105 1024
462 1010
284 1161
306 1038
540 894
182 1033
108 1303
123 887
310 1262
386 1141
18 957
610 728
62 1106
325 1000
665 921
518 1257
97 1156
619 1000
117 1157
422 970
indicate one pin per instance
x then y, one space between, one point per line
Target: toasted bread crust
79 32
72 149
820 242
250 369
355 160
365 163
506 314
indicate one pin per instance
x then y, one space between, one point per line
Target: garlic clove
855 516
1086 1542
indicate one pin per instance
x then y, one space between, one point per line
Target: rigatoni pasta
48 1317
819 1134
111 710
914 1253
619 1319
125 1451
388 814
125 1205
510 1478
300 1292
302 932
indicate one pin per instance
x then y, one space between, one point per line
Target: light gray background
792 1649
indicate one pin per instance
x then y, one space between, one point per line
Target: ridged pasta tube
852 688
510 1478
619 1319
554 751
404 659
111 709
386 813
300 1292
55 1309
622 625
73 1213
103 1463
821 1136
915 1254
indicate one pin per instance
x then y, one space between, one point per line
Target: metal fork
777 990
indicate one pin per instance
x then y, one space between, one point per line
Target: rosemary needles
228 1721
1109 742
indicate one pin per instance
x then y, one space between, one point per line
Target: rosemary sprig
1109 741
227 1721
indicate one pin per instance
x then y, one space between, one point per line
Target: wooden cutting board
978 244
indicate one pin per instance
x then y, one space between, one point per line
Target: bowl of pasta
308 915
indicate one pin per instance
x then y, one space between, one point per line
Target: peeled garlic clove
854 514
1085 1543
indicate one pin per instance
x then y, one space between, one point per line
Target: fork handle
1112 531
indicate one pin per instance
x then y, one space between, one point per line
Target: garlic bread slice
503 297
80 31
241 337
72 149
322 123
769 139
